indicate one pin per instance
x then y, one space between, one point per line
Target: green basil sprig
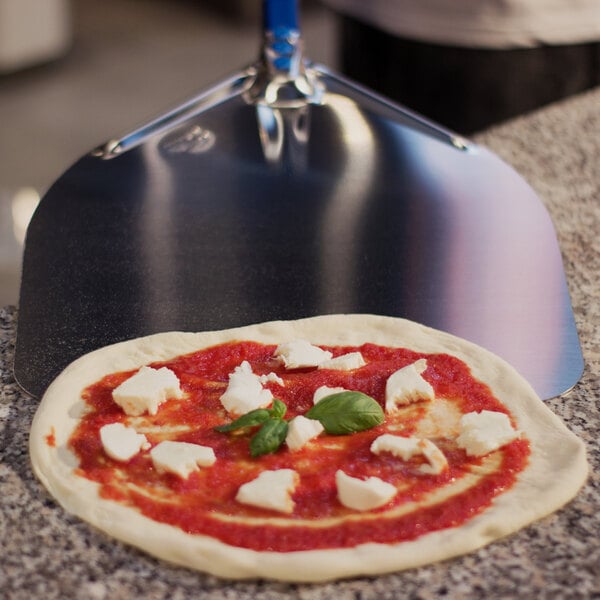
269 437
250 419
278 409
272 432
340 414
347 412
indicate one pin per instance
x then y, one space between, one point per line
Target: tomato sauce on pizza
205 502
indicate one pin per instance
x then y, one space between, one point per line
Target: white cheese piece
435 457
271 377
121 442
147 390
484 432
300 431
324 391
181 458
271 490
402 447
363 494
245 391
405 448
406 386
345 362
299 354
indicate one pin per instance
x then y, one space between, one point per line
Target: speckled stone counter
48 554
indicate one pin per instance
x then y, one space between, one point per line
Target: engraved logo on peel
193 141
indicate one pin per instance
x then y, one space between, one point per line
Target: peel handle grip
280 17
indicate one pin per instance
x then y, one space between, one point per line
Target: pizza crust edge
550 480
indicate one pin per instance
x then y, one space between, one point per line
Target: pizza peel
288 191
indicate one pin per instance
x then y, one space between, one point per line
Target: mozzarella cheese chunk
181 458
271 490
146 391
245 391
484 432
406 448
406 386
299 354
345 362
271 377
435 457
121 442
363 494
300 431
324 391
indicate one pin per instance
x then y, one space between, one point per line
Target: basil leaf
269 438
250 419
278 409
347 412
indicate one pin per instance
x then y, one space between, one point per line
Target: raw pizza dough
557 468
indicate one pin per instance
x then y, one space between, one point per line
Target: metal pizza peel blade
287 191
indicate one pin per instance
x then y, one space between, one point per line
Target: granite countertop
47 553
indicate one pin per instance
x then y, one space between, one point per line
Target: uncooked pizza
305 450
